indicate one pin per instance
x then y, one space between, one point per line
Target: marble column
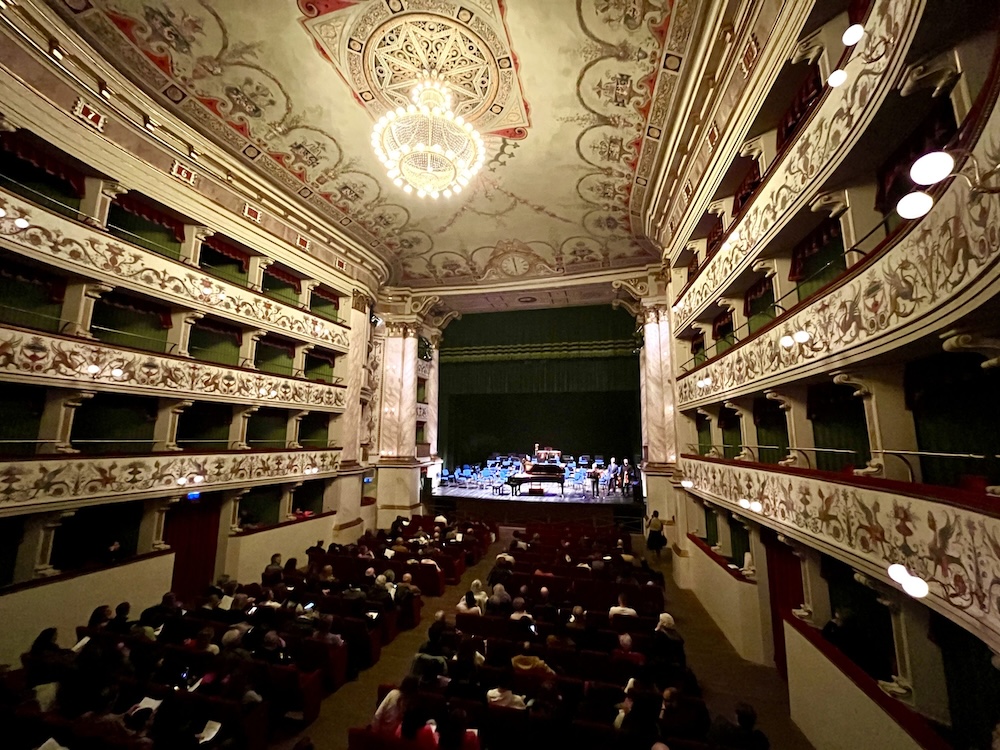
34 554
165 429
194 235
248 347
238 427
153 524
97 197
658 414
344 496
179 334
78 307
56 427
357 375
433 383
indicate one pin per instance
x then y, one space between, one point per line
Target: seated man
519 610
622 608
624 651
502 695
740 735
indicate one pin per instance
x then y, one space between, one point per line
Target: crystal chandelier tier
425 146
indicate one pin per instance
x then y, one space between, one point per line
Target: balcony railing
54 239
62 481
793 182
948 537
40 358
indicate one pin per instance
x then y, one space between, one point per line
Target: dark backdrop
575 423
565 377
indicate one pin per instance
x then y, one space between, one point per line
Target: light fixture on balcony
786 342
757 506
853 34
117 372
55 50
687 484
937 166
21 223
914 205
704 382
93 369
801 337
898 573
425 147
3 213
916 587
198 478
744 503
837 78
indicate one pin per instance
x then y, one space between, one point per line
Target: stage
483 505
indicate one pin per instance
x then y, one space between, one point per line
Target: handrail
118 332
855 249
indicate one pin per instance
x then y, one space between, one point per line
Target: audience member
100 617
389 715
120 622
741 734
624 651
502 695
467 604
480 594
622 608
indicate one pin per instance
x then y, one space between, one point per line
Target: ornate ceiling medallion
404 48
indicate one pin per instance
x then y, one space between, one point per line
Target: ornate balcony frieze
935 272
423 369
843 114
90 252
61 481
45 359
422 412
954 547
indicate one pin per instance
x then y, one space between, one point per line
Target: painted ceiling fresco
572 98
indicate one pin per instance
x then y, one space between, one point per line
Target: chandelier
425 146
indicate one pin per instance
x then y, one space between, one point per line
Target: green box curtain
314 430
275 359
268 428
839 424
214 346
205 428
11 532
759 305
30 301
732 433
955 408
223 266
318 368
118 424
261 506
704 426
772 430
279 289
54 186
309 497
739 540
711 527
21 406
323 307
155 237
118 323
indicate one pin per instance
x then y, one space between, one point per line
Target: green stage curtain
711 527
772 429
956 407
839 423
554 376
561 324
739 540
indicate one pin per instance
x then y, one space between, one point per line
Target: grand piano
537 474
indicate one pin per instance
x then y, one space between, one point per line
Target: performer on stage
595 479
614 476
626 477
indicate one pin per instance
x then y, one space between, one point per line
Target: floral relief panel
955 549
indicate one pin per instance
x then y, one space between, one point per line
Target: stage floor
551 496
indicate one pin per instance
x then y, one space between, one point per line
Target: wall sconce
937 166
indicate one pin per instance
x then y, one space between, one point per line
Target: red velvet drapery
27 151
784 581
285 276
802 103
221 246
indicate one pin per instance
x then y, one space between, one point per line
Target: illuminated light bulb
756 506
916 587
446 193
221 295
93 369
21 223
853 35
744 503
198 479
914 205
931 168
837 78
687 484
708 380
735 236
421 193
786 342
801 337
457 189
2 213
206 290
898 573
182 480
117 372
407 189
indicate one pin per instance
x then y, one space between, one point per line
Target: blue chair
445 477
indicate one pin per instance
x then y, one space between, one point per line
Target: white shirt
519 615
463 607
616 610
500 697
389 714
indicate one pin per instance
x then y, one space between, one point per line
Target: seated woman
468 604
480 594
389 715
47 660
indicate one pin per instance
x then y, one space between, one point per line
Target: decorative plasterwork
74 480
934 272
956 550
95 254
817 151
608 72
380 49
962 341
44 359
423 369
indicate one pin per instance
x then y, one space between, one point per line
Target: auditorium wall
247 554
816 686
68 602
